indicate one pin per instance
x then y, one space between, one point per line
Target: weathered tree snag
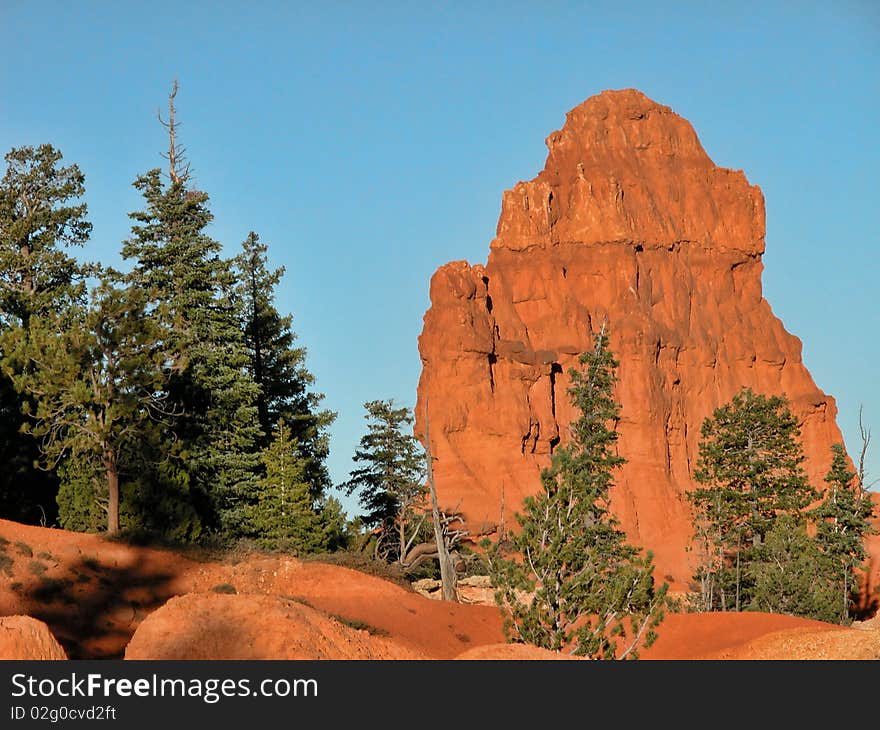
447 569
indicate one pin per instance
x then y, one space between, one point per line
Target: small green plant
92 563
359 625
6 563
45 556
36 567
224 588
3 543
24 549
300 600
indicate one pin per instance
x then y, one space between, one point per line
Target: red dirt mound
514 652
23 637
215 626
94 593
740 635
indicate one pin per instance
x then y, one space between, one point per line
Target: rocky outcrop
216 626
629 220
23 637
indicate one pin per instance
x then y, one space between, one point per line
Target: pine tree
191 290
843 519
391 484
277 366
285 514
750 467
788 574
40 217
574 583
94 380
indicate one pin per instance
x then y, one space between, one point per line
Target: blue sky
369 143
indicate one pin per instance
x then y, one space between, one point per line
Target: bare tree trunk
502 534
178 169
447 570
738 571
113 492
865 434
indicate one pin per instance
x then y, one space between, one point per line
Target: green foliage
788 574
334 524
284 514
190 292
391 482
224 588
94 380
359 625
760 545
750 471
40 216
149 402
843 519
277 366
81 499
574 583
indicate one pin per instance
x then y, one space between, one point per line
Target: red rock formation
23 637
630 220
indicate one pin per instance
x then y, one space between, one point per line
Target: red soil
94 594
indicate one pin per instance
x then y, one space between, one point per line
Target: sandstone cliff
630 220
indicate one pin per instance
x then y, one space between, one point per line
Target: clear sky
369 142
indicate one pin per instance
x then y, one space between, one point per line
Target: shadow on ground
94 609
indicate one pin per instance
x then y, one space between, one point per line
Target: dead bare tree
447 569
865 434
453 534
178 167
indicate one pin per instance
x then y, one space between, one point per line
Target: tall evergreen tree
278 366
191 288
40 217
94 380
391 482
750 469
575 584
843 519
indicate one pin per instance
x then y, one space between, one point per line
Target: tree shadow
94 609
869 595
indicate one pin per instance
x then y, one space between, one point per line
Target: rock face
23 637
629 220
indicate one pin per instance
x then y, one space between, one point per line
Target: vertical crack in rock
638 272
555 369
